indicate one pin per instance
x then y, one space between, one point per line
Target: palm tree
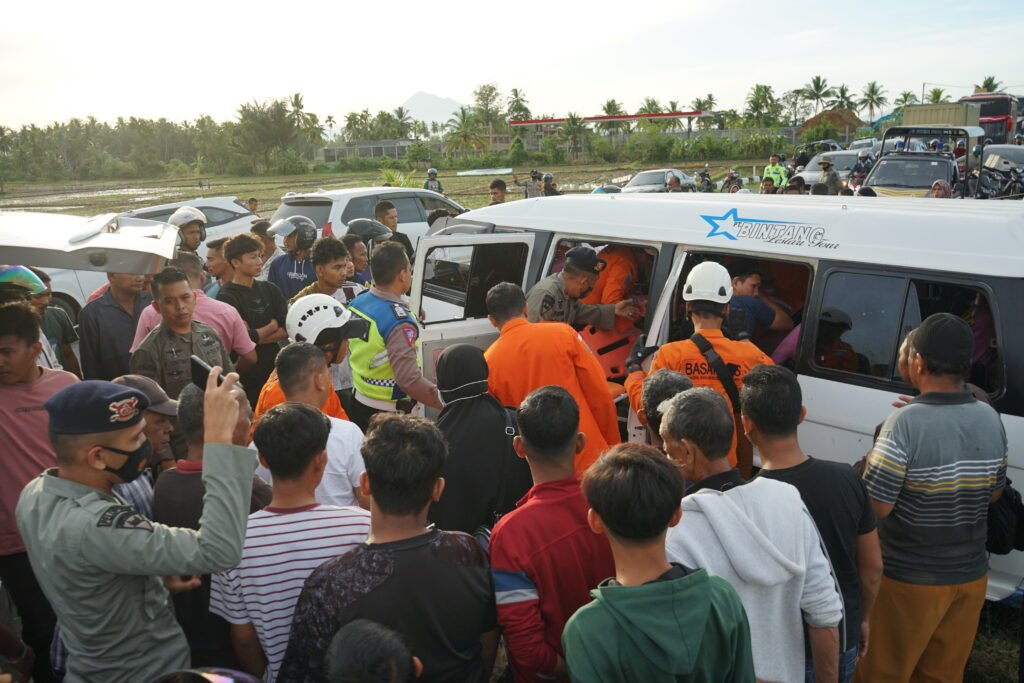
574 131
353 128
6 145
842 98
989 84
873 98
329 121
464 133
763 108
403 122
298 113
710 100
613 108
816 92
517 109
650 105
906 97
673 124
937 96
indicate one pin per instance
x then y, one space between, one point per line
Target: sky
179 60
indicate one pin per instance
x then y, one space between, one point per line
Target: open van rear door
450 283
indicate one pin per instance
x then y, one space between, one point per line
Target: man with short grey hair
757 536
657 389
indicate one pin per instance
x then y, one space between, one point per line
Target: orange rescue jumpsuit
685 357
615 283
527 356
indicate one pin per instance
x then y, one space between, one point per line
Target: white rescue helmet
312 314
708 281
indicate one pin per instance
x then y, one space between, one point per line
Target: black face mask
131 469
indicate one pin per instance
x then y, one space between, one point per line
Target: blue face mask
133 466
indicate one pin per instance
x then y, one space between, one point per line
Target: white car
226 216
331 210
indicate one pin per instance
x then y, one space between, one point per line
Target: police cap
585 259
94 406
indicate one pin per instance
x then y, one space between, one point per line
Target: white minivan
885 264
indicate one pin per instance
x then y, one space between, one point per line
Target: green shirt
58 330
99 564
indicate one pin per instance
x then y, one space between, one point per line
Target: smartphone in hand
201 372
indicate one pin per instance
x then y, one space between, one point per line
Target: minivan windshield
840 162
909 173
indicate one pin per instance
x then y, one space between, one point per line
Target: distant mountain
429 108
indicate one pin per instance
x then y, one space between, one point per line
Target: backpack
1006 522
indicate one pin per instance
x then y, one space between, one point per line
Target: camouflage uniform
547 302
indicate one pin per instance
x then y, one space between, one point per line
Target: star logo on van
734 220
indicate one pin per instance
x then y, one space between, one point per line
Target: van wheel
66 303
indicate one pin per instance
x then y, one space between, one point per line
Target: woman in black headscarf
484 478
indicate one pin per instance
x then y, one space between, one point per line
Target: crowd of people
237 476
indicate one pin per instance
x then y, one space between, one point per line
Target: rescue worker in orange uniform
616 280
527 356
707 292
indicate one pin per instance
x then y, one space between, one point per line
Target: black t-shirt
434 589
257 305
841 508
178 502
403 239
723 481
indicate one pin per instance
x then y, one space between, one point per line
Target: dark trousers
361 413
37 617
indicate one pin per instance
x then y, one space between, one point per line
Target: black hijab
483 476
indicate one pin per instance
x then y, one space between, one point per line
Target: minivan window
449 272
358 207
431 203
215 216
316 210
859 323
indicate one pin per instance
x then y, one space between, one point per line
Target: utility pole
922 93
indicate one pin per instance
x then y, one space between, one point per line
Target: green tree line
280 136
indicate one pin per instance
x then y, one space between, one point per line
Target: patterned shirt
282 547
938 461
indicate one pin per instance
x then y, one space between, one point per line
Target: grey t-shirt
938 460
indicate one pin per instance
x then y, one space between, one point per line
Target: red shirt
545 561
24 433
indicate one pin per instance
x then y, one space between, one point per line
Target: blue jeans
847 663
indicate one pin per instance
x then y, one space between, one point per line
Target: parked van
857 274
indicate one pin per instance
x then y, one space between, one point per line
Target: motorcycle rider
1018 139
705 180
802 159
863 165
432 183
550 190
775 170
900 146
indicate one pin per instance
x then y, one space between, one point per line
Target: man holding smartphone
164 354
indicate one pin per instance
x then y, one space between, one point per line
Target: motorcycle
704 183
732 179
994 184
856 180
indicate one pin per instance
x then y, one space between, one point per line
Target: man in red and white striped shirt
285 541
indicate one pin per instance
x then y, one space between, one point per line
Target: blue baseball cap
94 407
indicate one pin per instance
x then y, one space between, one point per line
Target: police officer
557 297
98 561
708 355
386 373
775 171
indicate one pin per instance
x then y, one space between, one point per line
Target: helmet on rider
368 230
978 149
1019 138
862 154
549 176
304 229
20 282
708 281
939 146
988 141
431 172
322 320
900 145
933 144
182 218
961 144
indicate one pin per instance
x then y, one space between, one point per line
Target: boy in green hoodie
654 621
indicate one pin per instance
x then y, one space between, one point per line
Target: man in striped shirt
285 541
934 469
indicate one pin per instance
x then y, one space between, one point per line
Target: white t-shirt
281 550
344 465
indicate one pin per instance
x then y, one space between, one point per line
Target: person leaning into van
935 467
386 370
708 358
557 298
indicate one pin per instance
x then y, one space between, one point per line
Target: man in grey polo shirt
934 469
